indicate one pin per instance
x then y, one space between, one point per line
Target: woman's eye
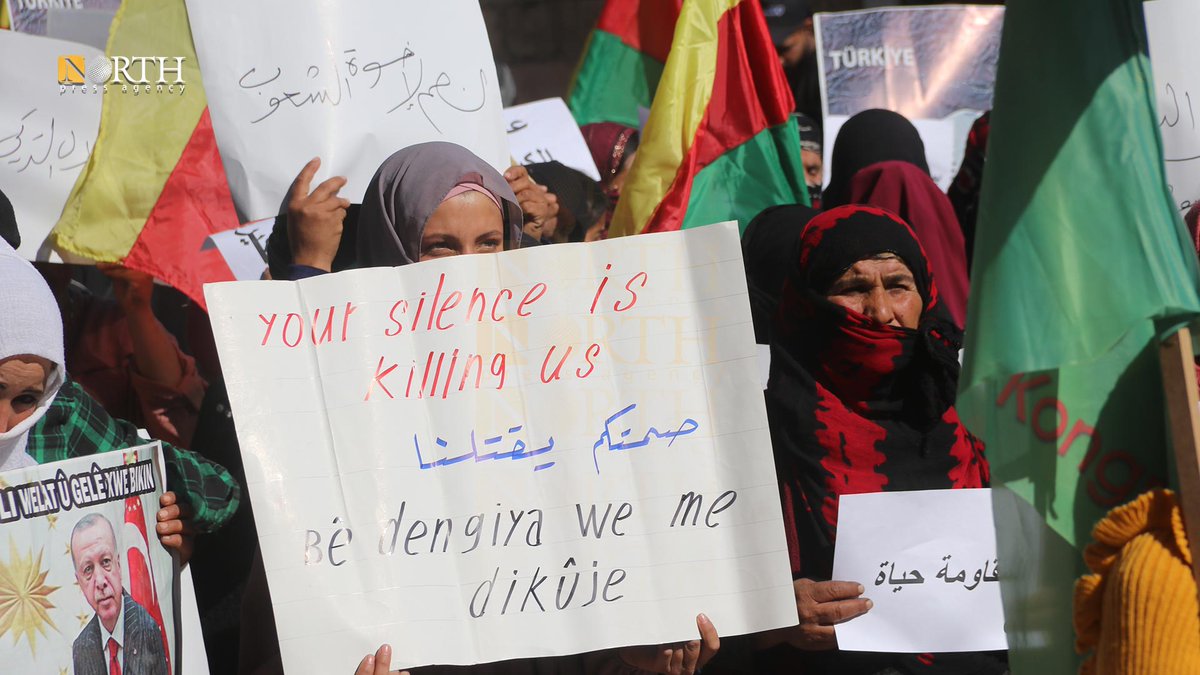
24 402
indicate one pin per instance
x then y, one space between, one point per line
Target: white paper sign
583 408
46 136
349 82
928 562
1171 26
244 248
545 131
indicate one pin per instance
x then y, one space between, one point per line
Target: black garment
870 137
769 247
581 200
142 653
8 223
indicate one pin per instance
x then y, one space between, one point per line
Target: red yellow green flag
720 143
623 61
154 188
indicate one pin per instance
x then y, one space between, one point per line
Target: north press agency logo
135 75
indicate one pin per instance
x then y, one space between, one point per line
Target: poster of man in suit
92 585
122 631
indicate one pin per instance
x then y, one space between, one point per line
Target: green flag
1080 267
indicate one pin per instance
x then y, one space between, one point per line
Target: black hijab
577 193
870 137
769 251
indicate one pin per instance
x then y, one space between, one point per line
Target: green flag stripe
613 80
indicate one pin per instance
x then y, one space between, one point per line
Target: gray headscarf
406 190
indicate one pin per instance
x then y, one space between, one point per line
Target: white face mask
13 441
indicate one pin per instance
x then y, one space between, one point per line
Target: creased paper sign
934 65
244 248
80 555
545 131
928 562
538 452
348 82
1171 27
46 136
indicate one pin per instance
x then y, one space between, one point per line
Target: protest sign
538 452
81 556
46 136
545 131
928 561
244 248
934 65
349 82
38 17
1171 26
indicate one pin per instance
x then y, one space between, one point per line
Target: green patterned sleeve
76 425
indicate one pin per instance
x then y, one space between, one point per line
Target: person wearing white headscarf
31 355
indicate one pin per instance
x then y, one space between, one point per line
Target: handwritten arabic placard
46 136
545 131
544 451
348 82
244 248
1171 26
928 561
58 523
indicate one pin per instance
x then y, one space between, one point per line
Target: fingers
168 498
689 657
710 641
366 666
831 613
327 190
299 189
827 591
383 660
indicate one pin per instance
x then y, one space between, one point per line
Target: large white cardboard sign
538 452
46 135
1171 26
545 131
348 82
928 562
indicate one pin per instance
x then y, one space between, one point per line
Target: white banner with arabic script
539 452
927 560
46 133
348 82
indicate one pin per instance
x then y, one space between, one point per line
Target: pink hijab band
465 187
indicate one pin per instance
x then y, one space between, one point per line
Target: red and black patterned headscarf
855 405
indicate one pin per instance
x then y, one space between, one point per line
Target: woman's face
881 288
469 223
22 384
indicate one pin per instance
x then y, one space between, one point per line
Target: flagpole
1183 408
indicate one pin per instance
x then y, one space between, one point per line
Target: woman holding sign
425 202
864 369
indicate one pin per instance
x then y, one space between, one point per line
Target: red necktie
114 666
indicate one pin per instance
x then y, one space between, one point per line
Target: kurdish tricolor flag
154 188
720 143
1081 268
623 61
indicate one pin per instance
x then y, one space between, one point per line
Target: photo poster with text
351 83
78 557
86 21
539 452
46 136
1171 26
934 65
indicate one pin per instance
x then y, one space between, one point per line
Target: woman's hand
821 605
379 663
315 219
682 658
174 526
536 201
